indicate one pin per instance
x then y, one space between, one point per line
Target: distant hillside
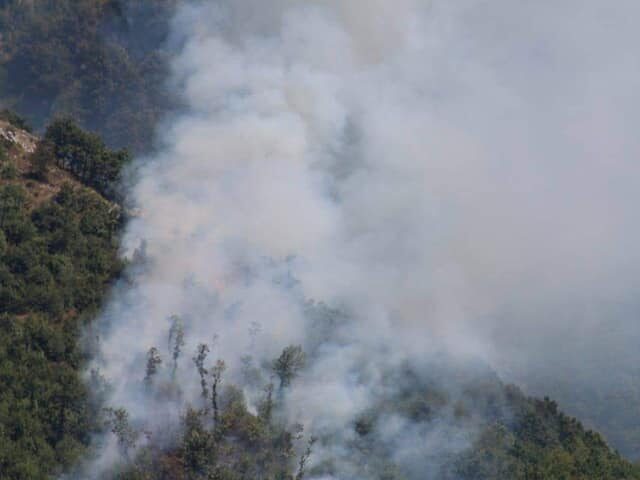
101 61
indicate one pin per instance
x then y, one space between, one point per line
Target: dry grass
20 146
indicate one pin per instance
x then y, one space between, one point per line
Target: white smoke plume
457 176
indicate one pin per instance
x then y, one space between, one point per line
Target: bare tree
201 355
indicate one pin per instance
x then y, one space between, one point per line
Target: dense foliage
57 255
541 443
84 155
101 61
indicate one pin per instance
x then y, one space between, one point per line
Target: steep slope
503 435
58 254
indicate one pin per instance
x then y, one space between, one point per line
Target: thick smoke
455 177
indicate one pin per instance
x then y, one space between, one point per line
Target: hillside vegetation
512 436
58 254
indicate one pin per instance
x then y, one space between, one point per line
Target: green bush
85 155
55 264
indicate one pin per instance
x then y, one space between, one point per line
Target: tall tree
288 364
216 373
199 359
153 363
176 340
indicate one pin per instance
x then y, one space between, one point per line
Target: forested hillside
58 254
511 437
101 61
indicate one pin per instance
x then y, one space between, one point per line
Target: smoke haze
459 178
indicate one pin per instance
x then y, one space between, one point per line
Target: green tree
199 359
153 363
86 156
288 364
118 423
176 340
216 374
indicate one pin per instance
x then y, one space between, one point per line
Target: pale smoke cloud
447 172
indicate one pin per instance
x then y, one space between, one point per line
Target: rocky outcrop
13 135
